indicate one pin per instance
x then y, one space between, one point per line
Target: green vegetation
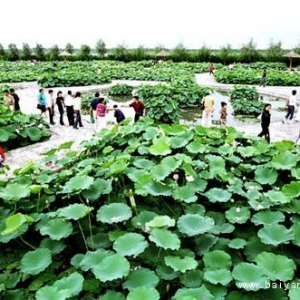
153 212
120 90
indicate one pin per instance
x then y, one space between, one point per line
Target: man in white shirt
77 110
69 102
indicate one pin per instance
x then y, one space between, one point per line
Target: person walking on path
42 102
118 114
138 107
290 103
211 69
93 109
101 114
223 113
8 100
77 110
60 102
16 99
208 102
263 78
69 103
50 106
265 122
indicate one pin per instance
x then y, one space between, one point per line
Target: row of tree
226 55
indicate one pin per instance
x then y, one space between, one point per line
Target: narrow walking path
60 134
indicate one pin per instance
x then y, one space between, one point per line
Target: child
223 113
2 157
118 114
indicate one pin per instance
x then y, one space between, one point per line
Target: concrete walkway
60 134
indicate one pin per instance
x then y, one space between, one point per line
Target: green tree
274 52
203 54
2 52
248 52
39 52
101 48
13 52
225 55
69 48
120 53
26 52
84 52
139 53
53 53
179 53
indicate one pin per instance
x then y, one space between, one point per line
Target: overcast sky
150 23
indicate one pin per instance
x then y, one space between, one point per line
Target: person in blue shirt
42 102
118 114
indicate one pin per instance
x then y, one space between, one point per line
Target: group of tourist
72 105
11 99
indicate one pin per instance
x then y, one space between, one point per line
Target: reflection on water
194 115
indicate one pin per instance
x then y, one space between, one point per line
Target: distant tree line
226 55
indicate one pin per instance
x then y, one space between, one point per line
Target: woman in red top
2 157
101 114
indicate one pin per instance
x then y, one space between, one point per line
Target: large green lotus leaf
153 188
74 211
191 279
141 277
34 133
249 277
268 217
114 213
265 175
178 142
277 197
97 188
150 133
185 194
14 222
164 238
196 147
143 163
216 164
34 262
292 207
54 246
204 243
296 173
193 294
238 215
221 276
161 221
217 259
171 163
166 273
78 183
218 195
276 267
174 129
112 295
296 229
237 243
14 192
4 135
254 247
181 264
160 172
291 190
57 229
192 225
294 291
275 234
198 185
50 293
137 175
247 151
112 267
143 292
73 284
160 148
93 258
284 161
130 244
143 218
197 209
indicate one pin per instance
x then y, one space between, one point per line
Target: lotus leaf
74 211
15 192
57 229
154 188
204 243
296 173
160 148
34 262
294 292
217 259
277 197
275 234
181 264
92 258
191 279
221 276
191 294
238 215
268 217
218 195
249 276
130 244
141 277
164 238
196 147
265 175
161 221
185 194
237 243
73 284
114 213
51 292
54 246
111 267
143 163
78 183
284 161
291 190
143 218
14 222
145 293
276 267
192 225
112 295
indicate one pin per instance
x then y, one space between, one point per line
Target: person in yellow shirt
8 99
208 102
